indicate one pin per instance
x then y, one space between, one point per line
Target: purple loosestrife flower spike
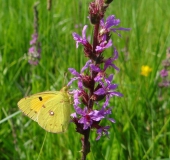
94 83
35 49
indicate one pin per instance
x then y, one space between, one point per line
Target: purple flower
31 50
34 39
88 117
86 66
100 75
108 90
110 22
33 62
76 94
88 50
164 73
109 61
104 112
102 130
103 45
79 76
164 83
34 51
79 39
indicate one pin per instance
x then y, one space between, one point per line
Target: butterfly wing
54 116
31 105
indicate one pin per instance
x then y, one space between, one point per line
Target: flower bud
88 82
94 13
84 97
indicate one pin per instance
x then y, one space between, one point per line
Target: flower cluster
35 49
164 73
94 84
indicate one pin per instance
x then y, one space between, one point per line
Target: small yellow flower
145 70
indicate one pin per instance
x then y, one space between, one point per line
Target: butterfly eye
51 113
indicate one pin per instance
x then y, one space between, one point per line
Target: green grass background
142 128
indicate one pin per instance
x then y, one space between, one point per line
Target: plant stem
95 37
85 144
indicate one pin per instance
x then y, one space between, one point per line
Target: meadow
142 128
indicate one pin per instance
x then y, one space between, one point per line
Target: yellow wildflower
145 70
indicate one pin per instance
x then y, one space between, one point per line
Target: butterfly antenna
65 76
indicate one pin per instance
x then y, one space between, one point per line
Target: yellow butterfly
50 109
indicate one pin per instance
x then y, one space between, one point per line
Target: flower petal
100 91
86 66
74 72
95 68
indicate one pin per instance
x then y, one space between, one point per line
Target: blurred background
142 128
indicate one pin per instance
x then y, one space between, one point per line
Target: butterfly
51 109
